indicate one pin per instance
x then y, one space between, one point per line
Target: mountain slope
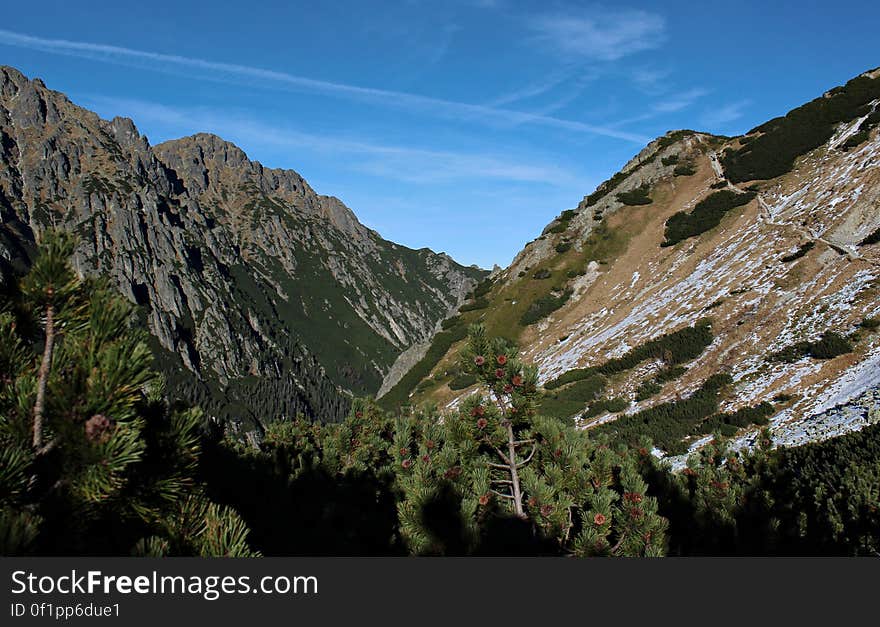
610 299
264 298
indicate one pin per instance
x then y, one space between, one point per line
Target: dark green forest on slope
770 149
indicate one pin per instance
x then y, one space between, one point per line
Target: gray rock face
275 299
404 363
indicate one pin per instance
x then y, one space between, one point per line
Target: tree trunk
514 475
45 367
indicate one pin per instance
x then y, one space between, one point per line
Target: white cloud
213 70
650 80
680 100
671 104
724 115
599 34
568 84
533 90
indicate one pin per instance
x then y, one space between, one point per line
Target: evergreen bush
706 215
802 250
831 344
684 169
543 307
637 196
872 238
563 247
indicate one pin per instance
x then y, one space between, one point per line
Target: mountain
264 299
714 283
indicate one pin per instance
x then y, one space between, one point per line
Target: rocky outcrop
645 169
273 298
403 364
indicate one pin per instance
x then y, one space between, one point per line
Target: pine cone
98 428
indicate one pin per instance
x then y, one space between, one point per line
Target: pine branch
500 402
503 457
505 496
514 476
569 528
47 448
619 542
527 459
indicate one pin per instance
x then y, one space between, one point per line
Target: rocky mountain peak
215 169
127 135
207 150
339 215
31 103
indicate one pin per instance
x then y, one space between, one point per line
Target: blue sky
464 126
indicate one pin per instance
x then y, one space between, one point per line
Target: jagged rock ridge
273 298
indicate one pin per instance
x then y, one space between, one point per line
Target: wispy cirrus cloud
650 80
672 103
725 114
534 89
413 165
214 70
562 87
599 34
680 100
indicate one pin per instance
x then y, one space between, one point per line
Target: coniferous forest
100 458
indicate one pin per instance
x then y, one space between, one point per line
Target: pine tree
52 287
495 458
93 457
359 443
296 446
